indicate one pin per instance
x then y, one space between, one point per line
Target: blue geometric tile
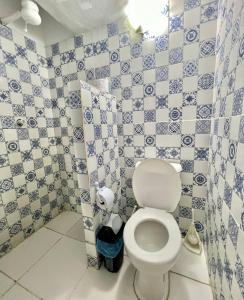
139 129
137 78
190 4
187 140
149 115
209 11
124 39
139 152
175 86
203 126
3 70
207 48
241 130
114 56
162 128
241 48
187 166
190 68
187 189
191 35
9 59
149 89
150 140
148 61
175 55
161 43
175 114
15 86
138 104
126 93
127 117
112 29
30 44
239 183
162 73
238 102
80 65
78 41
199 179
190 98
136 50
233 230
55 49
227 194
185 212
6 32
115 82
232 152
174 128
206 81
125 67
198 203
128 140
176 23
201 154
204 111
162 101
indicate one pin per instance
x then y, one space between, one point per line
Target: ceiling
70 13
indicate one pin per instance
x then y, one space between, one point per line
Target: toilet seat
153 259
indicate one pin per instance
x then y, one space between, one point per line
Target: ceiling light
147 15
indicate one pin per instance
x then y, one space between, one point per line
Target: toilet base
151 287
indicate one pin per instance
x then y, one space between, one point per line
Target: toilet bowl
152 237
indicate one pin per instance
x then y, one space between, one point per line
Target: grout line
65 235
77 284
44 254
190 278
29 291
14 282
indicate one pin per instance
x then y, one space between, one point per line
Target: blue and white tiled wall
102 155
30 185
93 122
224 237
164 90
163 87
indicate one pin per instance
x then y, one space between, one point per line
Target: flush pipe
29 12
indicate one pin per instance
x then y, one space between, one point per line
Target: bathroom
125 115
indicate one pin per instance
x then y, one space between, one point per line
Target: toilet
151 236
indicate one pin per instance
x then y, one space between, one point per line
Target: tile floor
51 265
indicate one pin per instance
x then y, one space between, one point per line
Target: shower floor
51 265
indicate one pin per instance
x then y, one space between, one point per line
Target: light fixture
147 16
29 12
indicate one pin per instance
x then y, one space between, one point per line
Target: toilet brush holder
192 240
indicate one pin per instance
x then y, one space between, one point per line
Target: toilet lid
156 184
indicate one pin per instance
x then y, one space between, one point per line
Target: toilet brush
192 241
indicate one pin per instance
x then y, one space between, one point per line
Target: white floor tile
57 273
64 222
77 231
18 293
20 259
182 288
5 284
104 285
192 265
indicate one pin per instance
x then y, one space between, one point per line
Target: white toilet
152 237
